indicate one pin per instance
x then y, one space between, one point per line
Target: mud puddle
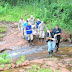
18 51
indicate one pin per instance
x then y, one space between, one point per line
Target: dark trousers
58 41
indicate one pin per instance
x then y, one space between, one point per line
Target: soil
61 61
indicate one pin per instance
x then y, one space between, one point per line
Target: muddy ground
61 61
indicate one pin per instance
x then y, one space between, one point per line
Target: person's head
50 29
21 17
31 16
38 20
57 26
27 20
29 23
42 22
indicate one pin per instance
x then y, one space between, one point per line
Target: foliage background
52 12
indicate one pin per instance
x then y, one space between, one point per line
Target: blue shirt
37 23
28 29
24 25
56 31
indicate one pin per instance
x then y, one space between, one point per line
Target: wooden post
34 7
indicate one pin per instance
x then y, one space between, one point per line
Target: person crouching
51 42
28 29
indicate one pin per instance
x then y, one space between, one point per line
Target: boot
32 42
42 39
56 50
50 54
29 42
39 39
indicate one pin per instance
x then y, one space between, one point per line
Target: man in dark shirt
51 41
57 31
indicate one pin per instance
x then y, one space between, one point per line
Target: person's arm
35 25
19 25
59 32
39 28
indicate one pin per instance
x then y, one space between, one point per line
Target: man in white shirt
20 26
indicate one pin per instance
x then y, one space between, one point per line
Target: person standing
28 29
57 31
37 24
51 42
20 26
24 32
41 31
32 20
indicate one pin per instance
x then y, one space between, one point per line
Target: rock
6 68
19 65
38 67
45 66
15 25
61 65
40 61
15 71
1 69
28 67
64 70
12 65
21 70
26 63
65 36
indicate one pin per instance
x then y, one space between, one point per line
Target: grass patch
3 26
21 59
2 66
4 59
35 69
1 36
2 30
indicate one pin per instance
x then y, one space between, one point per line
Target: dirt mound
13 37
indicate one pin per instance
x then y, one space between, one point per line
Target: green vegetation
3 26
1 36
4 59
2 30
35 69
9 65
21 59
52 12
2 66
18 62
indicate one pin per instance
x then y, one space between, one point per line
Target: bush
4 59
1 36
50 11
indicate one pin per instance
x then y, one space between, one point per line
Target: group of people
31 25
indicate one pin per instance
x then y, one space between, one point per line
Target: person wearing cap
51 41
28 29
57 31
37 24
41 28
32 20
20 26
24 25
